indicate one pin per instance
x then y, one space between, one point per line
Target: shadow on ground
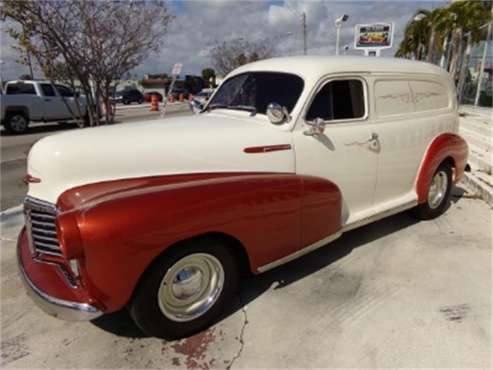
121 324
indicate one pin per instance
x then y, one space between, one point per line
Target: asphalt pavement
15 148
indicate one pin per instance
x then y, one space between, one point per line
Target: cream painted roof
314 67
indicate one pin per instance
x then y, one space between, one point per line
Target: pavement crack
242 332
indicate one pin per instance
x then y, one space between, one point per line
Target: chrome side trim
299 253
59 308
379 216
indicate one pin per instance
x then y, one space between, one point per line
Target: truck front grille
41 228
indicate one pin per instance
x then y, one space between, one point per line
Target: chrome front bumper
59 308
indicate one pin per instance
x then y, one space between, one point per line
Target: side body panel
406 126
126 224
444 146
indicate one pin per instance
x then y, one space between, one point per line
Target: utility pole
481 70
303 20
483 61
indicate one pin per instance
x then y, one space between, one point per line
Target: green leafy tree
425 33
207 74
96 42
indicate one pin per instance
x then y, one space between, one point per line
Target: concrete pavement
476 127
397 293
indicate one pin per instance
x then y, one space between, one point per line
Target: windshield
256 90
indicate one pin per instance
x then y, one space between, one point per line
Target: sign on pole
175 72
373 37
176 69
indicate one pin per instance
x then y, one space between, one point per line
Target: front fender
126 224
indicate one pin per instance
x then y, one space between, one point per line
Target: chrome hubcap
438 189
191 287
18 123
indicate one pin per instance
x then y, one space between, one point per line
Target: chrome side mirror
277 114
195 106
317 127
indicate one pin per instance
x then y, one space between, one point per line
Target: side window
48 90
21 88
393 97
429 95
337 100
65 91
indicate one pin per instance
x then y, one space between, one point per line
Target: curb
148 105
479 187
11 212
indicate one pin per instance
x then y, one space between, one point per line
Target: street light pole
483 61
338 24
303 21
338 31
1 80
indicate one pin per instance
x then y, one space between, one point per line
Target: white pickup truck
25 101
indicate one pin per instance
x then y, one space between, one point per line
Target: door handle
372 141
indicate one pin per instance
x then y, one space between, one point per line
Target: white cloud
201 24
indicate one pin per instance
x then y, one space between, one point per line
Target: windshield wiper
248 108
216 106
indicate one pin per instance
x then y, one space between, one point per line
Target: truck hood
207 143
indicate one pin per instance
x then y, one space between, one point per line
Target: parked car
203 96
148 96
129 96
177 91
289 154
25 101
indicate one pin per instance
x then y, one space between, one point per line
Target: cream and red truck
164 217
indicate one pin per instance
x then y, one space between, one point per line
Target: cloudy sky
201 24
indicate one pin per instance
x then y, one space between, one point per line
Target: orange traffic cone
154 103
171 99
190 97
181 98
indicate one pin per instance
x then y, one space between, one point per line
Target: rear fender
442 147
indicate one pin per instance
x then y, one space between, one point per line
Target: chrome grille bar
40 224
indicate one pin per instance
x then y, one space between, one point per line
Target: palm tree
415 36
428 30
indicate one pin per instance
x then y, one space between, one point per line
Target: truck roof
314 67
29 81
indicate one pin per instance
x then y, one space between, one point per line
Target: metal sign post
175 72
373 37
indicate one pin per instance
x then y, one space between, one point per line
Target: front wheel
438 196
186 290
16 123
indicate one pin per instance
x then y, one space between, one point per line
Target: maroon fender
442 147
125 224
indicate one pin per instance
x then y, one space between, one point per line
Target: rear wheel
438 196
186 290
16 123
